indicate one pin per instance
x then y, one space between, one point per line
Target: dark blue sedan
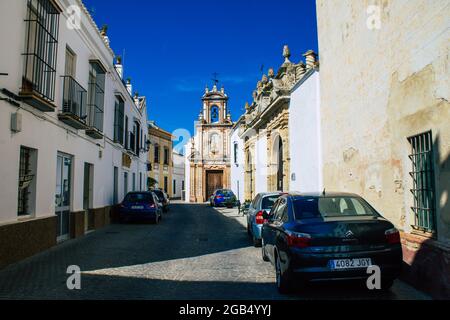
140 206
317 237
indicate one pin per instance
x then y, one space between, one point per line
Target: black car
163 199
315 237
139 206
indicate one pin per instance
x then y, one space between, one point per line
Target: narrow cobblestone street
196 252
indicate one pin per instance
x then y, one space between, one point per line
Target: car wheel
387 284
284 283
263 252
256 242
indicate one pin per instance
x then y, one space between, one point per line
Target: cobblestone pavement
196 252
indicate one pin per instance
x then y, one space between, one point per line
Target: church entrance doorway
214 181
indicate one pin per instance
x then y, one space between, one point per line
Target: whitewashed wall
261 164
237 169
44 132
178 173
304 136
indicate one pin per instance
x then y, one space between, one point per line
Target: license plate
137 207
350 263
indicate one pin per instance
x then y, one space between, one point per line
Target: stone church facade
266 128
209 149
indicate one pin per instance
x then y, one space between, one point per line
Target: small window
96 96
235 153
126 133
166 156
422 174
27 181
119 110
156 155
166 185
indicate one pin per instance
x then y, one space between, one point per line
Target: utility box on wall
16 122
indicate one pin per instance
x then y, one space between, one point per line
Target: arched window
214 116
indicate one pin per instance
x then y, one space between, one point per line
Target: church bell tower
210 146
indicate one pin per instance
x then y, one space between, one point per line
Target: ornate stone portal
210 147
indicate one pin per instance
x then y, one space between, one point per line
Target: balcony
74 104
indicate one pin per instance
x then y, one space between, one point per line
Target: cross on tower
216 81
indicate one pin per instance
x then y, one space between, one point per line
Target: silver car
262 203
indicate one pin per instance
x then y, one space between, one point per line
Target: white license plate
350 263
137 207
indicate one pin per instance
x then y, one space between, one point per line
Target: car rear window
314 207
228 193
139 197
268 202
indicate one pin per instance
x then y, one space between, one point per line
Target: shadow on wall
430 267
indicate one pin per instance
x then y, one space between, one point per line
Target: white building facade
305 142
71 133
178 179
237 160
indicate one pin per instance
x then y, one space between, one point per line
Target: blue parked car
223 197
262 204
140 206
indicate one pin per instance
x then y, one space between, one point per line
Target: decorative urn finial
286 54
264 79
104 30
271 73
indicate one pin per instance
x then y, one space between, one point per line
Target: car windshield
267 202
139 197
314 207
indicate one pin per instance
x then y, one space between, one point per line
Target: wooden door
214 181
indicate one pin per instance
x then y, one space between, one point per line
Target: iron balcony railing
74 98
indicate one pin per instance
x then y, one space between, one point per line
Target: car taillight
298 240
392 236
219 197
259 218
151 206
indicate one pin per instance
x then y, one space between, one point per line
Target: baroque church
209 149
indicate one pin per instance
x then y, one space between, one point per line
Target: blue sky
173 47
